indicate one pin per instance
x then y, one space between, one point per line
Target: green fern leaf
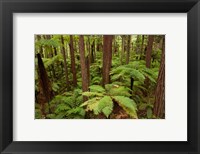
149 113
127 104
92 105
96 88
78 111
106 105
88 94
136 74
62 107
117 90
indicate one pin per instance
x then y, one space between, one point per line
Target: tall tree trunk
41 48
55 51
89 49
85 81
87 63
128 49
44 85
122 51
65 62
73 66
137 44
159 105
107 58
149 51
142 44
49 47
93 52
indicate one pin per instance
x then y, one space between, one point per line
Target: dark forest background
99 76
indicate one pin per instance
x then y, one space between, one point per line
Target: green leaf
149 113
142 106
127 104
55 87
77 112
136 74
106 105
116 90
62 107
97 88
88 94
51 116
92 105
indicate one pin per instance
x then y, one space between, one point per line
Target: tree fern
106 105
127 104
102 101
96 88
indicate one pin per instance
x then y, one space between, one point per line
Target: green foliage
55 87
106 105
127 104
50 61
98 105
116 90
102 100
38 114
149 113
92 105
67 106
131 91
97 88
87 93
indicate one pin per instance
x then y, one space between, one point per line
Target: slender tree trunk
128 49
107 58
93 52
149 51
75 45
55 51
41 48
50 48
89 49
73 66
137 44
142 44
83 66
65 62
87 63
44 84
159 105
122 51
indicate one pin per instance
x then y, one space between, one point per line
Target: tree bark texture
84 71
65 62
73 65
159 106
107 58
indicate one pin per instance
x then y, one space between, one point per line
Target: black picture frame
8 7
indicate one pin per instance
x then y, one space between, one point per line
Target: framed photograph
99 76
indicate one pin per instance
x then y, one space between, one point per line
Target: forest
99 76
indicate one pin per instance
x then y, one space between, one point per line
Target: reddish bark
149 51
73 66
65 62
84 74
159 105
107 58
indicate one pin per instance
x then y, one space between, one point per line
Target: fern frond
106 105
116 90
97 88
127 104
89 94
136 74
